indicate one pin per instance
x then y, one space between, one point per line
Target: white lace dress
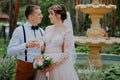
54 49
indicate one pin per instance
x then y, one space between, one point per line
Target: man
25 43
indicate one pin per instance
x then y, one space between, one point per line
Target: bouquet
42 62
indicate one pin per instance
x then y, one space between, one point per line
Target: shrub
115 49
82 49
113 72
90 74
7 68
3 47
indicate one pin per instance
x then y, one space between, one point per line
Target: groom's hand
37 43
32 44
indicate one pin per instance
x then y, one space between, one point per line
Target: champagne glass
36 51
41 40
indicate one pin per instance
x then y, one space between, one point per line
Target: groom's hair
59 9
30 9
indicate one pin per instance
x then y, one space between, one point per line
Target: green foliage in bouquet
7 68
42 62
113 72
47 63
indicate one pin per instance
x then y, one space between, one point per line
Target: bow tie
34 27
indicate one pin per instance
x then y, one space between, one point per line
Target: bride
59 46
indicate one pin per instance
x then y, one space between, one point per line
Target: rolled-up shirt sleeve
16 44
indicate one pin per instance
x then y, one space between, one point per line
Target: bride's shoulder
67 29
49 27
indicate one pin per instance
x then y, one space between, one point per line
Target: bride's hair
59 9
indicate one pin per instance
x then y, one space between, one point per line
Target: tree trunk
13 17
79 20
17 6
113 20
65 0
78 1
103 1
90 1
11 10
36 1
70 3
105 18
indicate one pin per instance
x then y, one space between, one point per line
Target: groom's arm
15 46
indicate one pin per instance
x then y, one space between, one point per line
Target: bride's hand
47 69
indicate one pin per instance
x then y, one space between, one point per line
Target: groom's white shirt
17 46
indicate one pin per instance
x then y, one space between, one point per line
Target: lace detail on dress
55 44
53 49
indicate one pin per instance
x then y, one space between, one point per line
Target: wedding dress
54 44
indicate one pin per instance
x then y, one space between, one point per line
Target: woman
59 46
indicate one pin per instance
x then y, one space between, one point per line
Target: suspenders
25 40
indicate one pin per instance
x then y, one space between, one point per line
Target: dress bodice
53 43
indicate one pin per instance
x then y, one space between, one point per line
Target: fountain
95 35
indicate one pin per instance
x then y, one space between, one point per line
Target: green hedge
7 68
112 73
115 49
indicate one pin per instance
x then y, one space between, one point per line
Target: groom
25 43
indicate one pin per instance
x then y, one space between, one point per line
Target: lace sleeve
68 43
69 49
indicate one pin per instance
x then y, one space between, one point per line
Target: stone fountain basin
103 56
95 9
106 58
96 42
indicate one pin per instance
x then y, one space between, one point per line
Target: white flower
47 58
40 63
34 66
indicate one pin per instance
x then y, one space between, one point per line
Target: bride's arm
68 48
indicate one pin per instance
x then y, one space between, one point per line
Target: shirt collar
28 24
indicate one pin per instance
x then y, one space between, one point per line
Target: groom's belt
24 65
22 61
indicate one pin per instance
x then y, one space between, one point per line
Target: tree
79 20
4 5
13 16
36 1
118 13
105 17
70 2
113 20
118 16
